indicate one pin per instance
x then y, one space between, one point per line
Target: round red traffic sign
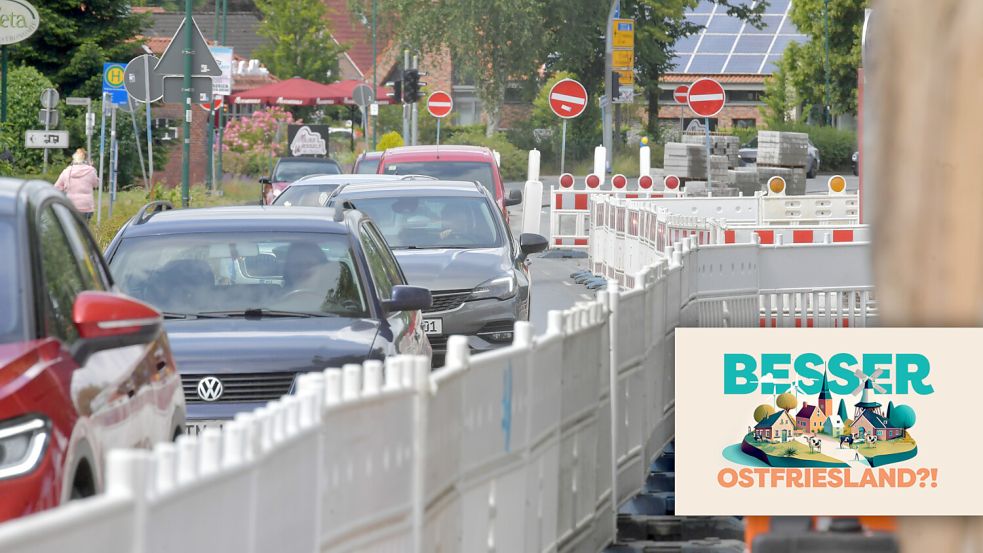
706 97
208 106
566 180
671 182
619 181
681 94
440 104
568 98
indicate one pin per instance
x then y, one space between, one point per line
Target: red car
83 369
453 163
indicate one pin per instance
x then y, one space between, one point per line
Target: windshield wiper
259 313
170 315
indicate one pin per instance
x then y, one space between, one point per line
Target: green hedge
515 162
836 146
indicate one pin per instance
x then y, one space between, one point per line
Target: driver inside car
302 268
457 225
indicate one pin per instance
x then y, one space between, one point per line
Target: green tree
890 407
75 38
842 412
491 40
300 43
24 86
902 416
762 412
786 401
805 67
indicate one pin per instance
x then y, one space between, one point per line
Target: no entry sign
681 94
568 98
706 97
440 104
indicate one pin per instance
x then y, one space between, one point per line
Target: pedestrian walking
77 182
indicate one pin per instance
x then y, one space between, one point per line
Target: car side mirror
408 298
106 320
515 198
530 243
265 180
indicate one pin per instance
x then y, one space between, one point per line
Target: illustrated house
870 422
833 425
777 427
809 419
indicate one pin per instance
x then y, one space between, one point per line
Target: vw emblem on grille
209 388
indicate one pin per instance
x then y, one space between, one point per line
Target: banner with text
865 421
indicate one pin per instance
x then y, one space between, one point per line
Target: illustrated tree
786 401
842 412
299 40
890 407
903 417
762 412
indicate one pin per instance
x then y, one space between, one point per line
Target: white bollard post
644 161
373 377
187 459
351 380
165 454
532 174
332 386
600 162
209 451
532 202
393 373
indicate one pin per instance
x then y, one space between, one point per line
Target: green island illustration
818 436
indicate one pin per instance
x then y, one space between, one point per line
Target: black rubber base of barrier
560 253
710 545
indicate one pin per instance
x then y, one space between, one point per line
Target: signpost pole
3 85
150 136
438 132
136 138
112 160
47 127
89 123
414 123
102 149
221 108
375 76
186 153
209 146
563 147
706 127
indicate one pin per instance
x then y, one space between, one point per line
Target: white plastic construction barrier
570 212
529 448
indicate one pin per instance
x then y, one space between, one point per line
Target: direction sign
706 97
140 72
623 33
202 61
46 139
623 59
18 20
626 77
112 82
568 98
362 95
48 117
440 104
681 94
201 89
49 98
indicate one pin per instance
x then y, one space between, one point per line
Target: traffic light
397 93
411 86
615 84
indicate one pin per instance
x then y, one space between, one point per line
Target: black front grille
447 300
438 343
241 387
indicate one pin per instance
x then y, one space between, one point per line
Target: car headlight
22 445
501 288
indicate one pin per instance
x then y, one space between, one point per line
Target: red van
453 163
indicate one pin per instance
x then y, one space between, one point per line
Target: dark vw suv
254 295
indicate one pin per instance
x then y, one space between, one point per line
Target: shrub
252 142
514 161
391 139
836 146
790 452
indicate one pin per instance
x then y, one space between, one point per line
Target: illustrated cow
849 439
815 444
871 439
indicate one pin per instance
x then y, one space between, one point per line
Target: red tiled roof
726 78
147 9
351 33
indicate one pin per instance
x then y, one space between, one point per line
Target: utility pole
186 160
607 106
414 130
375 77
221 109
406 118
827 113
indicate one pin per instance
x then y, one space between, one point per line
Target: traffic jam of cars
191 316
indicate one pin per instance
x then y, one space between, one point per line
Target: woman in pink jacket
77 182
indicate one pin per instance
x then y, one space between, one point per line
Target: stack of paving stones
720 145
686 161
783 154
718 171
648 523
744 180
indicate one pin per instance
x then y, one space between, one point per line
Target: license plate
197 427
433 326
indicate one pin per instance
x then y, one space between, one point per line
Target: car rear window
188 274
293 169
367 166
10 322
470 171
308 195
434 222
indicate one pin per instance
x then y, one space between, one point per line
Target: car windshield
10 324
295 169
368 166
304 274
433 222
310 195
471 171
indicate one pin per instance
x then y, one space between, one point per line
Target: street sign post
706 98
90 122
48 115
201 89
568 99
440 104
112 82
681 95
203 63
18 21
362 96
48 140
138 76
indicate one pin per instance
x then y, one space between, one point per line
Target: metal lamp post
827 114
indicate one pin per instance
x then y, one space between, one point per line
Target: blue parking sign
112 82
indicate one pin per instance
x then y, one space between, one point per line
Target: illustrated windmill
792 386
865 387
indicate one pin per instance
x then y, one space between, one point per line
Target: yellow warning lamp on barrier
776 186
836 184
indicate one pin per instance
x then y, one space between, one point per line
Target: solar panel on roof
781 41
724 24
753 44
744 63
777 6
705 6
700 20
707 63
770 65
717 44
687 45
679 61
770 25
